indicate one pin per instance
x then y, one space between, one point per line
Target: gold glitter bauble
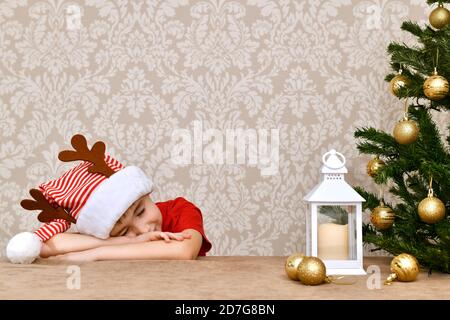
374 165
435 87
404 267
398 82
431 210
406 131
291 265
439 17
312 271
382 217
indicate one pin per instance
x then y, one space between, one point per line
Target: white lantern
334 221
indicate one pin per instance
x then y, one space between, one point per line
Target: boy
114 214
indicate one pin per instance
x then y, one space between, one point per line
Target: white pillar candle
332 242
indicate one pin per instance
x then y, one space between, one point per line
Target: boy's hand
159 235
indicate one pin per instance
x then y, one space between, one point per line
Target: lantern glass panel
336 232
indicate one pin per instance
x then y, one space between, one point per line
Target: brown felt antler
48 212
96 155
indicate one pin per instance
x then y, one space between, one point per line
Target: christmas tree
414 161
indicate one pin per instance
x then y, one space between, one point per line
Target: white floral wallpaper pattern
130 72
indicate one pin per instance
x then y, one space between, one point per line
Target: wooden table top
206 278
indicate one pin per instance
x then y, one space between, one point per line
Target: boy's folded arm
69 242
187 249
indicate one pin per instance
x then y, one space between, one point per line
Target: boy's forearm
70 242
153 250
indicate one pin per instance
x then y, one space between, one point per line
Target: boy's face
142 216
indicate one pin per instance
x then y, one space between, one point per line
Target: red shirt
180 214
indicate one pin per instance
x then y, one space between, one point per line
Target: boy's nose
140 228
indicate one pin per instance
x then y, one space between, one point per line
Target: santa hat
94 195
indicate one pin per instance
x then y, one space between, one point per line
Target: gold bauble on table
439 17
312 271
431 209
435 87
382 217
398 82
374 165
291 265
404 267
406 131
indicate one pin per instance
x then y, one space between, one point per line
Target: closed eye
141 211
124 231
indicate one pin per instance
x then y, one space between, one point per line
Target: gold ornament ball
406 131
439 17
374 165
435 87
291 265
382 217
431 210
312 271
405 267
398 82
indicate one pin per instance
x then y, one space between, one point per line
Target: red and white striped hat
94 195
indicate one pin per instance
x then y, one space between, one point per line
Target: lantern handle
335 153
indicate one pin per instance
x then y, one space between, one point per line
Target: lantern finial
333 162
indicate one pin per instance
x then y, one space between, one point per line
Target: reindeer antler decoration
48 212
96 155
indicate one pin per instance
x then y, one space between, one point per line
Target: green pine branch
414 58
337 214
430 2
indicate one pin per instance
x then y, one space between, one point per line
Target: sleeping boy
113 212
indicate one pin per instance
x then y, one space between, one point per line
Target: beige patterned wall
130 72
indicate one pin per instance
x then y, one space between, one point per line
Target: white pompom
24 247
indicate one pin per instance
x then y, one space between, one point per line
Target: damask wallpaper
303 74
